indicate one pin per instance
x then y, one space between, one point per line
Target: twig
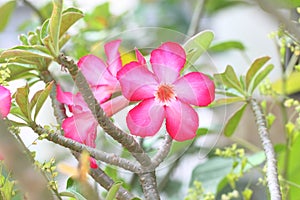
162 152
272 174
108 158
123 138
194 25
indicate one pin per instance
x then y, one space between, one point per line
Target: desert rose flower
5 104
164 94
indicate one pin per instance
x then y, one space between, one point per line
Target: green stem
194 25
272 174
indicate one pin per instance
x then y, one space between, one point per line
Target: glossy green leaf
211 173
42 98
261 76
22 101
5 12
74 188
113 191
18 71
44 30
254 69
226 46
69 17
26 52
55 25
229 79
234 120
226 101
197 45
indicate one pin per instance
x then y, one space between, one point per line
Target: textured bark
149 185
272 174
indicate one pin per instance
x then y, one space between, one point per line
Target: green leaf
5 12
197 45
254 68
69 17
44 30
22 101
42 98
202 131
18 71
18 113
211 173
113 191
226 101
292 84
261 76
74 188
26 52
55 25
229 79
98 19
226 46
234 121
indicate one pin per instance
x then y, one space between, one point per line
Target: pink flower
164 94
82 126
5 101
5 104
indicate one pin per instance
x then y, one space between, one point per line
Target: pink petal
195 88
114 61
81 127
167 61
102 93
137 82
113 106
64 97
181 121
146 118
5 101
94 70
93 163
140 57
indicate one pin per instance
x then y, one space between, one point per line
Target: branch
149 186
272 174
162 152
32 183
123 138
108 158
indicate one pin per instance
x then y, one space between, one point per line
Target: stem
149 186
194 25
272 174
123 138
108 158
162 152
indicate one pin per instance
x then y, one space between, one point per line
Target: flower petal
195 88
181 121
167 61
146 118
102 92
94 70
137 82
5 101
64 97
81 127
113 106
114 61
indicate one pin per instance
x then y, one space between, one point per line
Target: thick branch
123 138
111 159
149 185
272 174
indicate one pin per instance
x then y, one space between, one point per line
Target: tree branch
162 152
149 185
108 158
272 174
123 138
